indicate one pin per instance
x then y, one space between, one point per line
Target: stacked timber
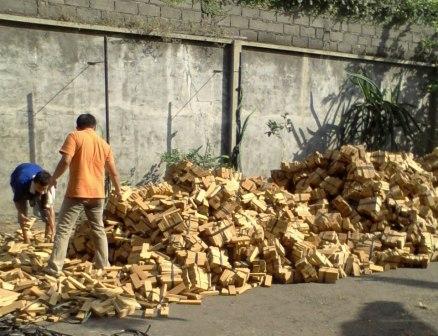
201 233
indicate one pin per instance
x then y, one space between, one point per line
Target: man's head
41 181
85 121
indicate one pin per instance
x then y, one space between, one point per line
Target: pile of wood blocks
201 233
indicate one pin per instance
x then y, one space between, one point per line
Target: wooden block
54 298
23 284
177 289
209 293
243 289
76 283
6 296
164 311
190 302
149 312
267 281
136 282
17 305
232 290
376 268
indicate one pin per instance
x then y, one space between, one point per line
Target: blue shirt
21 180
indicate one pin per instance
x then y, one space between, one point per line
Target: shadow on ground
405 282
386 318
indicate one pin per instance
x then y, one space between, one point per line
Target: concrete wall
35 65
253 24
158 89
313 91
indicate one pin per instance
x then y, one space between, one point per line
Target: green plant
388 11
277 128
205 160
379 120
235 160
280 130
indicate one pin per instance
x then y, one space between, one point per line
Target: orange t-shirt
89 154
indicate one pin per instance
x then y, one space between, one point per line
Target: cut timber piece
342 206
332 185
54 299
394 239
217 258
227 277
232 290
196 278
328 221
136 282
76 283
260 205
243 289
221 233
177 289
328 274
242 276
102 308
7 296
190 302
376 268
267 282
248 185
149 312
307 270
17 305
318 259
370 206
209 293
164 311
23 284
305 197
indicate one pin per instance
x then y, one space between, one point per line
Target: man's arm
62 166
114 175
23 219
50 223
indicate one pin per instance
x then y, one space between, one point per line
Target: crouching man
30 184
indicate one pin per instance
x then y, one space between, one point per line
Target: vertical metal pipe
107 117
234 92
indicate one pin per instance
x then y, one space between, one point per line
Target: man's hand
118 194
52 183
23 218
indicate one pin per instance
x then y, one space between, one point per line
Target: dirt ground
399 302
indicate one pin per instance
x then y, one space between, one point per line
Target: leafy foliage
275 128
204 159
378 120
393 11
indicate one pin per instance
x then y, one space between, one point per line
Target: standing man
86 155
30 183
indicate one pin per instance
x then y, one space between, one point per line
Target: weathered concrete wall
35 66
146 78
310 90
158 89
252 24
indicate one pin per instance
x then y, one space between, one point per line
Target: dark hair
42 178
86 120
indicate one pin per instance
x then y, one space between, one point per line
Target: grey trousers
70 211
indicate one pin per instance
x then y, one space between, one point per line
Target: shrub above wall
400 29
